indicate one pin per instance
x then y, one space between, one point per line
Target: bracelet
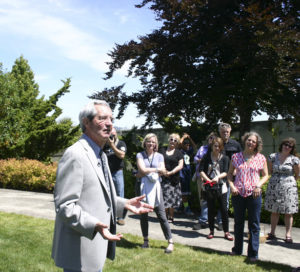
257 187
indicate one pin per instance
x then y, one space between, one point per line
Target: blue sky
71 38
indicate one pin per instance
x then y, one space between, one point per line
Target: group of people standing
88 206
223 167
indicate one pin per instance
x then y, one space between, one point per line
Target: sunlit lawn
25 245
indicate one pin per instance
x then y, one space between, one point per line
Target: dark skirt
171 192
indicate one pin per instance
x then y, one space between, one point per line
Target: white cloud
65 37
122 15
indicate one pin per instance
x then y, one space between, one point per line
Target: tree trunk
245 121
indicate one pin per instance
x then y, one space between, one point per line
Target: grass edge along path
25 245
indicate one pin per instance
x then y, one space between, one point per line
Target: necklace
247 157
150 159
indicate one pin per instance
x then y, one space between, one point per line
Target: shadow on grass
125 243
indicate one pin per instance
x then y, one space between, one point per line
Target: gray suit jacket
81 200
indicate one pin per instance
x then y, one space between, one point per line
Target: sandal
271 236
228 237
146 244
288 240
168 250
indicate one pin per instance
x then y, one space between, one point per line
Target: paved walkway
41 205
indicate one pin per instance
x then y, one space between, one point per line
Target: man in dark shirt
115 151
230 147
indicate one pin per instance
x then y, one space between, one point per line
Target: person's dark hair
186 141
259 142
291 141
219 141
212 134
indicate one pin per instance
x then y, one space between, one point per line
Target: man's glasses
173 140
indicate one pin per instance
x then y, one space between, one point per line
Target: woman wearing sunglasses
282 193
171 181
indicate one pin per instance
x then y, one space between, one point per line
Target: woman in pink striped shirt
251 173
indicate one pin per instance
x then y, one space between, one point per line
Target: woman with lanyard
151 166
251 173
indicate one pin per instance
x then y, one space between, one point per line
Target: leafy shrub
25 174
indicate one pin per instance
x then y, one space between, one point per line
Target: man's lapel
94 162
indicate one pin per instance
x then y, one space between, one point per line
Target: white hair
90 112
224 126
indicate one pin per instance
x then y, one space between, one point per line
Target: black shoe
199 226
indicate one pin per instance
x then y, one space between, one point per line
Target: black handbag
213 187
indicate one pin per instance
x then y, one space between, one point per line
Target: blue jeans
253 205
118 179
204 212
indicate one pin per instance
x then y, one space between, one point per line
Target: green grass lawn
25 245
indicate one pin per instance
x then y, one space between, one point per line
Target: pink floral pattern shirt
247 174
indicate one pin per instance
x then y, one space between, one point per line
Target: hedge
27 175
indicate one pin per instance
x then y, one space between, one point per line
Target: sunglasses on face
288 145
173 140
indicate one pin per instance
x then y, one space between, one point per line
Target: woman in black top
213 169
171 180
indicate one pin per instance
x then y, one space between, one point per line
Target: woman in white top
151 166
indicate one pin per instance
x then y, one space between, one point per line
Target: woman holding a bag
213 169
151 166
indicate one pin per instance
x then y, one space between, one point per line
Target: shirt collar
96 148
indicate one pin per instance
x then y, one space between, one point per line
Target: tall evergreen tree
29 123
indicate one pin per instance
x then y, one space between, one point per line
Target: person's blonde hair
147 137
175 136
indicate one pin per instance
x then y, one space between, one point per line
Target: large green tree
28 123
214 61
